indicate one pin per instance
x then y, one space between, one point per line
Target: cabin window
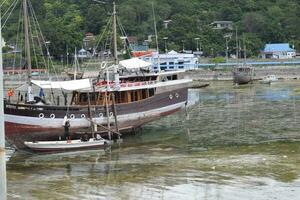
180 65
93 97
151 92
83 97
171 65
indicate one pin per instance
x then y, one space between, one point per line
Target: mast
2 134
116 62
27 46
27 50
156 37
115 33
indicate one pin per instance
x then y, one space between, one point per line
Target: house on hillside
278 51
89 40
219 25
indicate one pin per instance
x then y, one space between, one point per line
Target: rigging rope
10 10
39 42
123 32
2 3
17 39
101 36
43 39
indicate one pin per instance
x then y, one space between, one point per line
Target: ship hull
241 78
47 124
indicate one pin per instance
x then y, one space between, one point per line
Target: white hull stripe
81 122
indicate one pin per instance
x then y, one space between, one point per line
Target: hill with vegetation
64 22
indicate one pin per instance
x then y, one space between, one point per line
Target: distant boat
269 79
242 74
66 145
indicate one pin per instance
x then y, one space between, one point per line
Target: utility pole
237 43
166 47
2 133
197 43
245 55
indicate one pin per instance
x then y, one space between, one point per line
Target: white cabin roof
81 84
134 63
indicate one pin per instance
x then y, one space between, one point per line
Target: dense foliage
64 22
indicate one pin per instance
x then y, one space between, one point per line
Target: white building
172 61
219 25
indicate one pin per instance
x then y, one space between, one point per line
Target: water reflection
238 143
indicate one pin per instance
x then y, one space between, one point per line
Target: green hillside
64 22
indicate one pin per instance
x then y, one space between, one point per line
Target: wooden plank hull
29 125
241 78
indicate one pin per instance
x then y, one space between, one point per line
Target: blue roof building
278 51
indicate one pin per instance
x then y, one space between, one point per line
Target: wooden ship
127 102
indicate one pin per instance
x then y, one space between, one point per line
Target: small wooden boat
66 145
269 79
242 74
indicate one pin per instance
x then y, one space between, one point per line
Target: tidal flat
234 142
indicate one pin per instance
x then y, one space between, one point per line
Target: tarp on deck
81 84
134 63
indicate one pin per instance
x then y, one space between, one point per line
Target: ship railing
125 84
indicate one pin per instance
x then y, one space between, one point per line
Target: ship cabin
132 88
121 97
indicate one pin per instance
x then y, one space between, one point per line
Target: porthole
170 96
177 95
82 115
111 114
52 116
72 116
41 115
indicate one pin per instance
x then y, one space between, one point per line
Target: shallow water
235 143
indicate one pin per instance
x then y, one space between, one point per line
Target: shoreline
200 76
225 73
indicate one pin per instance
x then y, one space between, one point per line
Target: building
278 51
82 53
166 23
88 41
219 25
172 61
138 50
